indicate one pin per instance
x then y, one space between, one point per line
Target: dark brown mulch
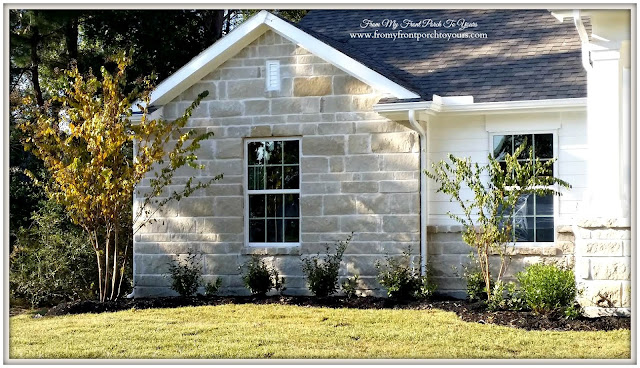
467 311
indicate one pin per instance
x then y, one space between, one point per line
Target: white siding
468 136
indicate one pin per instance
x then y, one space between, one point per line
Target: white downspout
423 190
584 38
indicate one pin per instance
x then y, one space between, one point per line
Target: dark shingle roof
527 54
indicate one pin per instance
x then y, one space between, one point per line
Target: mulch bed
467 311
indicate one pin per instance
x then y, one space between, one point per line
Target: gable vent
273 75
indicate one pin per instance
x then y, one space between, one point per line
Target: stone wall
448 255
360 172
603 266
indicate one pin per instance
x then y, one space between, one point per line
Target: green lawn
276 331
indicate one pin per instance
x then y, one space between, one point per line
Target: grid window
533 215
273 190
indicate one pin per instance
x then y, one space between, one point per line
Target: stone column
603 235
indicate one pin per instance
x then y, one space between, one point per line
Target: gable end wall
360 173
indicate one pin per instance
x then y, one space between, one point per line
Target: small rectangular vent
273 75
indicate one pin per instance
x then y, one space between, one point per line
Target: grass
277 331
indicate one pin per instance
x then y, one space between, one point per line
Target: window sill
272 250
533 249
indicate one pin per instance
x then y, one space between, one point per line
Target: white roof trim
246 33
433 108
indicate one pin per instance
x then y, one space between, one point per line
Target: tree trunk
114 271
71 37
214 28
35 64
105 289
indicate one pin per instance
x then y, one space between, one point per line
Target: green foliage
87 147
350 286
402 280
475 285
260 279
51 261
548 288
322 273
487 217
573 312
506 297
186 275
211 288
475 280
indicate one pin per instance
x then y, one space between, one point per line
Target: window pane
256 178
544 145
291 208
292 234
256 206
501 146
519 140
256 231
274 205
274 231
291 178
544 229
524 206
291 152
255 153
524 229
274 177
544 205
273 152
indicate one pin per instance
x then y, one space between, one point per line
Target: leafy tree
487 217
87 149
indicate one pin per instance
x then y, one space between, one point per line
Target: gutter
503 107
423 189
584 37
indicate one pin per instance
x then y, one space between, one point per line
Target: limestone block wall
359 172
448 255
603 266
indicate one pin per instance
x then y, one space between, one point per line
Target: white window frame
556 200
247 192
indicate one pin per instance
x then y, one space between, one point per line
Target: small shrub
52 261
322 273
548 288
350 286
260 279
185 275
573 312
402 280
211 288
476 289
506 297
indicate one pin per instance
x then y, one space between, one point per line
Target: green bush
52 261
476 289
260 279
186 275
506 297
322 273
350 286
548 288
212 288
402 280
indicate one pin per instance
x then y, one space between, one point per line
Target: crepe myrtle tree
487 217
96 155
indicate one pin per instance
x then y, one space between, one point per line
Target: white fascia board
246 33
337 58
431 108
